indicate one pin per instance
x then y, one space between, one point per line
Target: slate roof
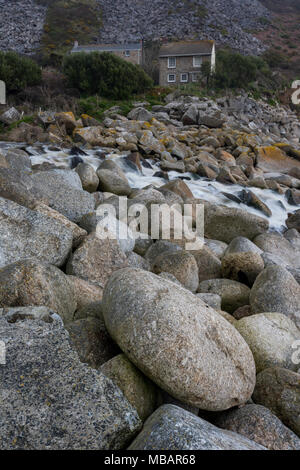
186 48
108 47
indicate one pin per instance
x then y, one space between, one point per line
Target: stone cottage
180 62
132 52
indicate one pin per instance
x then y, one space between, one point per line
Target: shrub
234 70
105 74
18 72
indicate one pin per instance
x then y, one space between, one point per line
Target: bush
18 72
105 74
234 70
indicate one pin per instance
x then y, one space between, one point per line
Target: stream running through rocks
211 191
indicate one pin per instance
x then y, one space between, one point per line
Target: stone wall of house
183 65
135 56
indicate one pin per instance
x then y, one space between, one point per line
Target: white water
200 187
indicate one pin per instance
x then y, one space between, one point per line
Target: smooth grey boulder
242 245
184 346
51 401
260 425
190 117
63 192
226 223
213 300
276 290
271 337
136 261
181 264
209 265
29 234
216 246
88 177
85 292
18 186
68 177
277 245
96 259
170 277
233 294
279 390
78 233
32 283
210 121
242 267
160 247
293 237
113 183
143 395
142 244
172 428
140 114
91 341
15 159
96 221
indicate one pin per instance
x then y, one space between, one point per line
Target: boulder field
114 342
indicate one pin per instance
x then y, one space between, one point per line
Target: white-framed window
171 78
197 61
184 77
127 53
171 62
195 77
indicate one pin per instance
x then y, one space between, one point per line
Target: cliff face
25 23
21 25
227 21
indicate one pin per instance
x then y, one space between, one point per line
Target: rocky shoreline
115 343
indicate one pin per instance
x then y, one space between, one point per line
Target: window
127 53
184 77
195 77
197 61
171 78
171 62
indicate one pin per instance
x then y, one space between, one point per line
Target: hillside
226 21
21 25
283 34
56 23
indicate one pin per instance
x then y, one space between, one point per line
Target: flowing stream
202 188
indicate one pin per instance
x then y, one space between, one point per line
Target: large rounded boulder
179 342
276 290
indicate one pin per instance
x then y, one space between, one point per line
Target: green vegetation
264 21
66 22
105 74
18 72
275 59
237 71
26 119
95 106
